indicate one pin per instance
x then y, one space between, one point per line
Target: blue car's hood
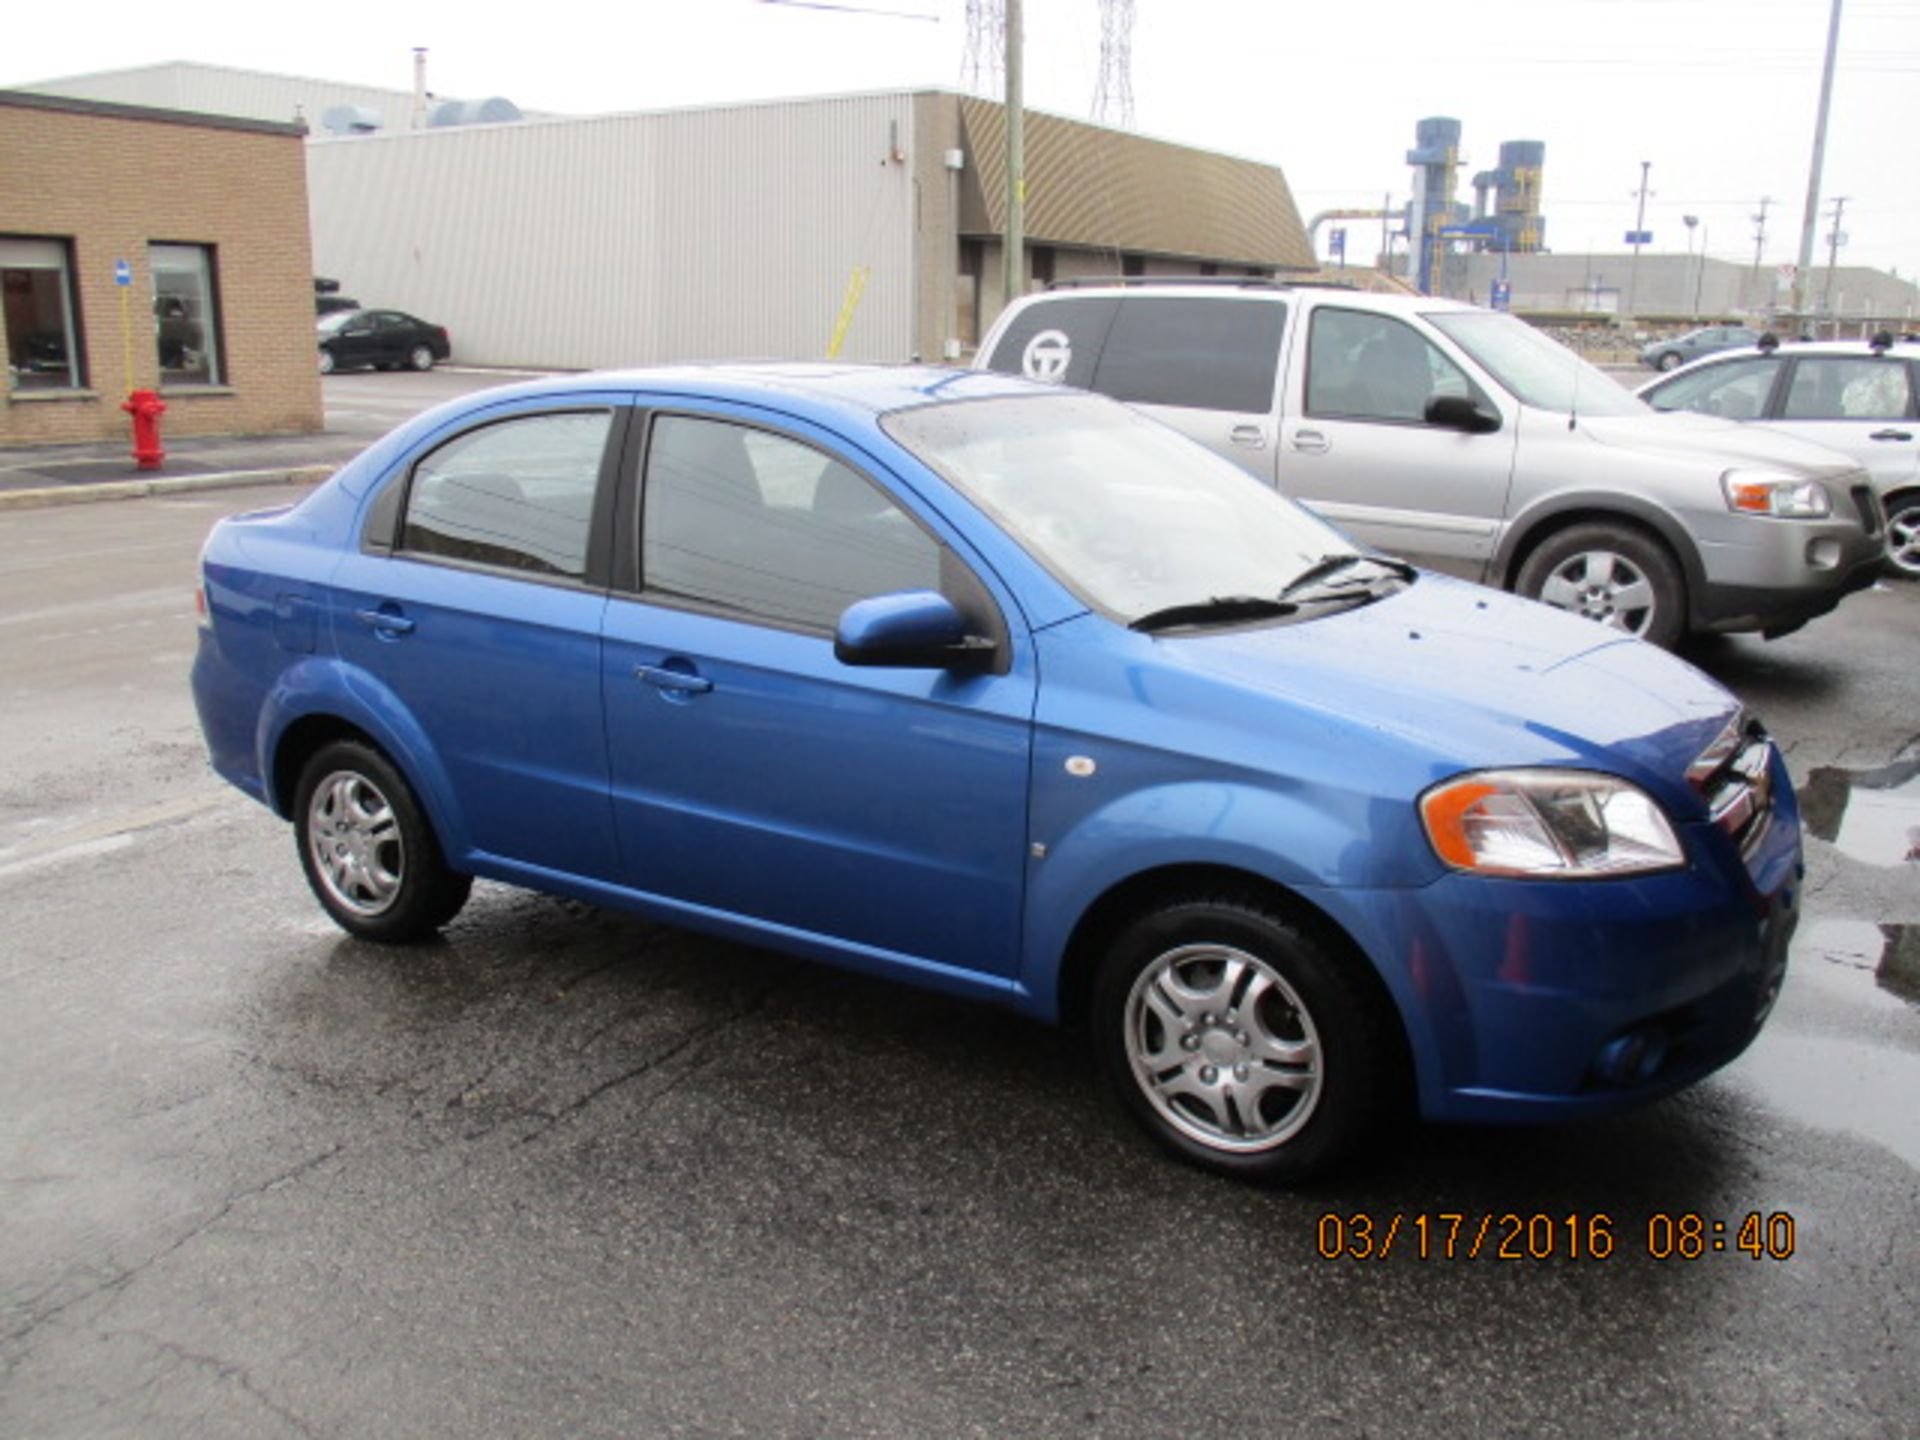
1452 676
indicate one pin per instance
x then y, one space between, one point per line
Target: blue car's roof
867 390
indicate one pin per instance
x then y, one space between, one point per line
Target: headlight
1557 824
1753 492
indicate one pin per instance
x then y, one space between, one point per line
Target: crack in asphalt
225 1370
127 1276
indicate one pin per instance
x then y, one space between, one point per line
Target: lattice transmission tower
1113 92
984 69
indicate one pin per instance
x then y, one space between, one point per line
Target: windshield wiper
1218 610
1329 565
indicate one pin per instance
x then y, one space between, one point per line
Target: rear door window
1845 387
1057 341
1197 354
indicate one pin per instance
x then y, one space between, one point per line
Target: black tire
1616 574
326 362
420 357
366 847
1668 360
1276 1072
1903 537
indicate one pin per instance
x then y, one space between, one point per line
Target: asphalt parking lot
566 1172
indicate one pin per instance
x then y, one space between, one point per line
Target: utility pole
1639 234
1834 242
1015 241
1813 172
1754 293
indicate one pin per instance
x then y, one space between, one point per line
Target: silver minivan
1470 442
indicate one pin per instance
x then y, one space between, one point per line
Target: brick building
152 249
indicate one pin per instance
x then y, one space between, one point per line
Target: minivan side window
1362 366
754 522
517 495
1197 354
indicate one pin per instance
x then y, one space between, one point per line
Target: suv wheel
1903 536
1242 1043
1619 576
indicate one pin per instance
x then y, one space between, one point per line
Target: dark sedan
383 339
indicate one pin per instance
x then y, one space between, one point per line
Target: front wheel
421 358
367 849
1903 536
1242 1042
1610 573
326 362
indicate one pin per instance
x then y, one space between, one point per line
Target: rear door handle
1891 435
385 622
1311 442
681 682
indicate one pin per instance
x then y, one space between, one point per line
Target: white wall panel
636 239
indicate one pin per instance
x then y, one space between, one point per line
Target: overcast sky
1720 95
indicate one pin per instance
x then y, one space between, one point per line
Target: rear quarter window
1057 341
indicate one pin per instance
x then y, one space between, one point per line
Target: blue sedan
1013 692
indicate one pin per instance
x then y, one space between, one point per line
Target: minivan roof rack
1237 282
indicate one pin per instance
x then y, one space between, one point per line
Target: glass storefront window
36 294
185 315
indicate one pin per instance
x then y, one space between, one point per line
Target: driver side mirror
915 629
1458 412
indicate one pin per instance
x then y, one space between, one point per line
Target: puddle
1861 959
1871 815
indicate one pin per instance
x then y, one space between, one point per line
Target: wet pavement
567 1172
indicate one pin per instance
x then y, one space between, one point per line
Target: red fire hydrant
146 408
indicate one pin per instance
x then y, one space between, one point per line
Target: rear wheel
421 357
1903 536
1669 360
1619 576
367 850
1242 1042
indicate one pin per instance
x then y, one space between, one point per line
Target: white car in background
1856 396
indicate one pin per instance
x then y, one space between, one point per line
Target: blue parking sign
122 273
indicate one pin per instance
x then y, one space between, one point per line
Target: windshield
1130 515
1538 370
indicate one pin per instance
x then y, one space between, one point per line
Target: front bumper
1775 575
1535 1000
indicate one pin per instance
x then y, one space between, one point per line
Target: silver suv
1468 441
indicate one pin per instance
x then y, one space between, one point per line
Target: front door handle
1251 436
1311 442
1891 435
387 622
673 680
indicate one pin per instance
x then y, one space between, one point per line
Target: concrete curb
85 494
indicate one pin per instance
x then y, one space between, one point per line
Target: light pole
1638 238
1690 221
1812 212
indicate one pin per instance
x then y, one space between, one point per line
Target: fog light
1823 554
1633 1058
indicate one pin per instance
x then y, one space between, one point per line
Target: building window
1133 265
43 337
186 315
1043 266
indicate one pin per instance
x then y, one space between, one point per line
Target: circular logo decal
1047 356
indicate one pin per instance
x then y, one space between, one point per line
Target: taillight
200 602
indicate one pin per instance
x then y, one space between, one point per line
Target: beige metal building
766 229
151 249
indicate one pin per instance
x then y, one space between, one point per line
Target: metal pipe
1015 242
